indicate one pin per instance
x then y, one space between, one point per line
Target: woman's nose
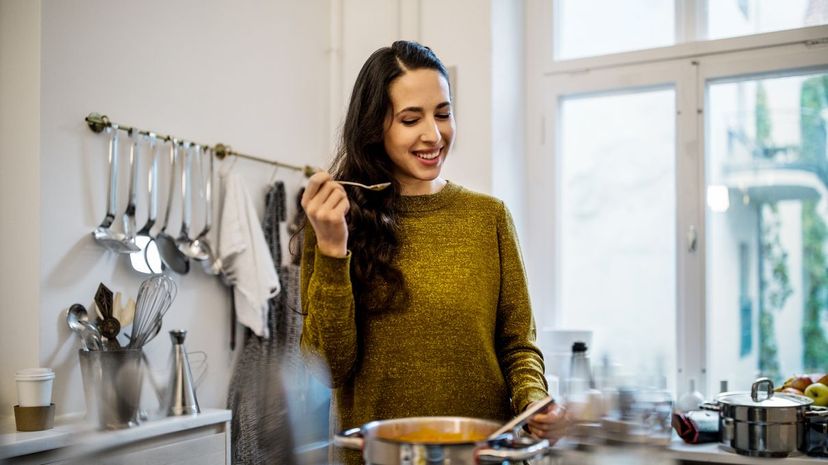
431 134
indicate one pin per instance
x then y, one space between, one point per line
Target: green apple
818 392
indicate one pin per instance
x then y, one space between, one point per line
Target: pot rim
365 428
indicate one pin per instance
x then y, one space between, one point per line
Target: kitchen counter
712 453
677 452
76 439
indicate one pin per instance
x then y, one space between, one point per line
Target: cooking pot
438 441
773 425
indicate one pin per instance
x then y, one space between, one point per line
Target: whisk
155 296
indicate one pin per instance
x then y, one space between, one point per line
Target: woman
415 296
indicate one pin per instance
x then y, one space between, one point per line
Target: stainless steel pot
773 425
438 441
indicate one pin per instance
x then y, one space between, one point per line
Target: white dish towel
246 260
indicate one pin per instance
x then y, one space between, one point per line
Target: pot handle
817 412
754 388
727 429
712 406
508 454
350 439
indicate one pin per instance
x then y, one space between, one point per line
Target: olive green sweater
464 343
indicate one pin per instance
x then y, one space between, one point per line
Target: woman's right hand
326 203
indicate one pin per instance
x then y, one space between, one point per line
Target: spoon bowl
78 321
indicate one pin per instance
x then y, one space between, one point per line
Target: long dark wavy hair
373 220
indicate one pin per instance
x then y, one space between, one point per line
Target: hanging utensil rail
97 123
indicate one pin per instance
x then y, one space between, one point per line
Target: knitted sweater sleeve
520 359
329 334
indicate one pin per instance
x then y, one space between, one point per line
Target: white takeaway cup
34 387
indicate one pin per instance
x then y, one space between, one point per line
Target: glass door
617 229
767 226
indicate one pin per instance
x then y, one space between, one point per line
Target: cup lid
35 374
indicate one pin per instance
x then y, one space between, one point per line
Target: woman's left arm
520 359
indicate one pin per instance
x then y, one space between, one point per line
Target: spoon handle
521 419
373 187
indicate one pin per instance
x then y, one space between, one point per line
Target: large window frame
687 67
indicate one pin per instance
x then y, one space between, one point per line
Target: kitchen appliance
764 425
445 440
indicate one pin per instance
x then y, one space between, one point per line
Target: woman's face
419 130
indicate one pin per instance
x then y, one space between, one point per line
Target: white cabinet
202 439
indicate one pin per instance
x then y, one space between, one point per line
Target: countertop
84 438
712 453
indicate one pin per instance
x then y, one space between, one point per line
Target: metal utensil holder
112 386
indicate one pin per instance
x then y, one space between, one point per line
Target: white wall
19 191
461 40
253 74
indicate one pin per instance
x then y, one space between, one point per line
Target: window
766 147
597 27
742 17
683 213
617 228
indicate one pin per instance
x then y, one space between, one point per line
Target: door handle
692 239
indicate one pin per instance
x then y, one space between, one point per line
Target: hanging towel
261 432
246 259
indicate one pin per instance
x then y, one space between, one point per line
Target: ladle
212 264
170 254
78 321
128 217
183 242
106 237
200 247
148 260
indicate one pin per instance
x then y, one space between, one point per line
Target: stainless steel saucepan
444 440
764 423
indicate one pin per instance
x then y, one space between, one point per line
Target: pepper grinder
182 398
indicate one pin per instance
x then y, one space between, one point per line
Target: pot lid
766 399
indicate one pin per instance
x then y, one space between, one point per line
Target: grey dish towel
261 432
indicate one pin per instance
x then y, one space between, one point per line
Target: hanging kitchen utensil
128 217
200 246
105 236
148 260
170 254
183 242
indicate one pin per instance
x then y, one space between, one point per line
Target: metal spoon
106 237
170 254
78 321
148 260
373 187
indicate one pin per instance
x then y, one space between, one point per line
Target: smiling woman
405 289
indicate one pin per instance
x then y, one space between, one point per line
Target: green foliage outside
776 289
813 101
